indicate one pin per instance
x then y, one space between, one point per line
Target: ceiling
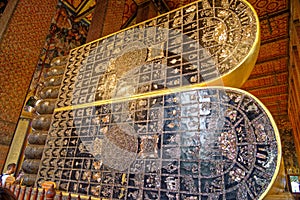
269 78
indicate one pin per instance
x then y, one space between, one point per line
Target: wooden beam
97 24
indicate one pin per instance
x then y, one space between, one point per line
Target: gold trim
191 87
133 97
277 135
246 66
233 77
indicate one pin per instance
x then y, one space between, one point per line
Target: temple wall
19 51
23 59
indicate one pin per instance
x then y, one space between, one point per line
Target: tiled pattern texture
19 52
274 18
20 49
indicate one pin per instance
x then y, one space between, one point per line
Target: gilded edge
227 79
276 131
256 43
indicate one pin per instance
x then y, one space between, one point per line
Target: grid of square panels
189 144
197 43
203 143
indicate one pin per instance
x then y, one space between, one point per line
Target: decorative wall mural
132 121
65 34
67 31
